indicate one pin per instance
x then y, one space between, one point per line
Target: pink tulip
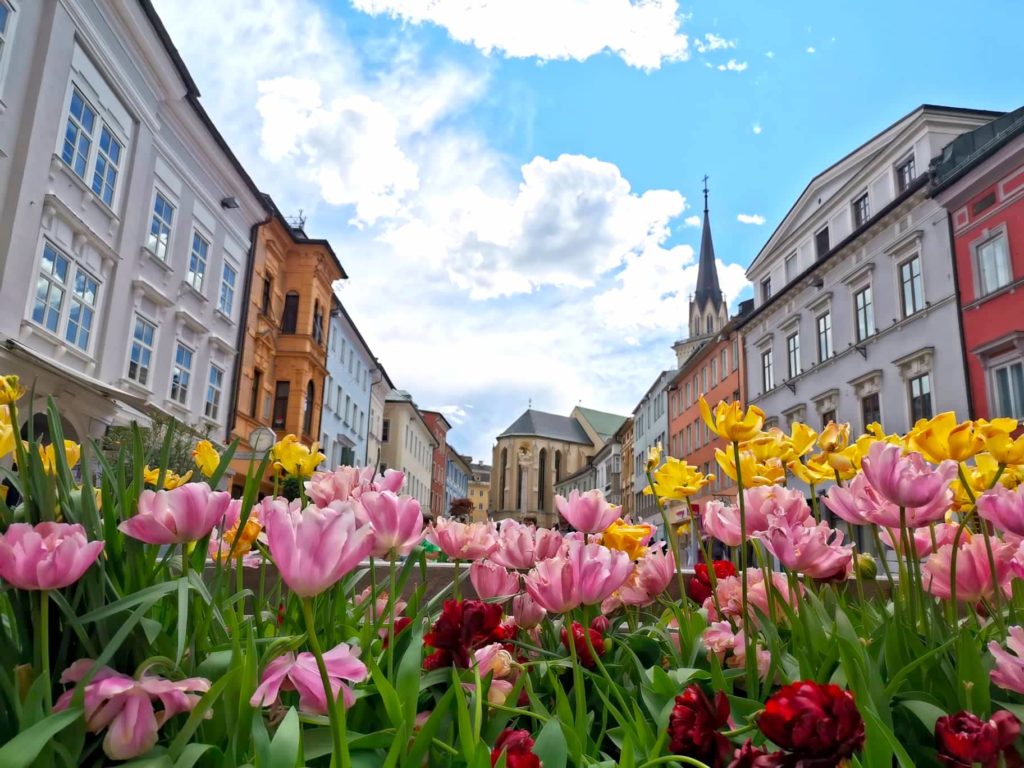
521 546
526 611
462 541
601 571
347 483
906 480
315 547
397 522
816 552
380 603
722 522
650 577
1003 508
973 574
587 512
860 503
553 585
729 592
922 538
493 659
492 581
1009 671
300 673
184 514
46 556
124 706
720 641
765 504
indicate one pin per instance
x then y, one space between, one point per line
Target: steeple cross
705 193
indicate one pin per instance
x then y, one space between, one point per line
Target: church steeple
707 289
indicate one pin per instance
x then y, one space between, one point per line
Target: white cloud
750 218
757 128
733 66
770 54
456 414
692 221
712 42
644 34
810 49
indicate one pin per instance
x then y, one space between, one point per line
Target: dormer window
861 211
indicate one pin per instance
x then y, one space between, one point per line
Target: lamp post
261 440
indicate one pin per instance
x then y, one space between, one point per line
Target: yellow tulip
755 473
846 462
6 434
772 444
1005 449
206 457
293 458
171 480
48 456
631 539
676 479
813 472
834 437
242 542
730 422
10 389
653 457
802 438
941 438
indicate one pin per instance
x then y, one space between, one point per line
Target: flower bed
143 619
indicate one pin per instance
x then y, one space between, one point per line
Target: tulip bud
866 566
10 389
653 457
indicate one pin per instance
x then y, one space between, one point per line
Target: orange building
283 337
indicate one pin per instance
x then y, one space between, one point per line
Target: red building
438 426
979 180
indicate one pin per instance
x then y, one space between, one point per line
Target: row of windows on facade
140 360
355 365
415 488
904 173
710 375
353 417
277 410
912 301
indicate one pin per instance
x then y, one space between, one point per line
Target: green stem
673 540
748 634
677 759
579 695
335 713
392 602
44 645
456 587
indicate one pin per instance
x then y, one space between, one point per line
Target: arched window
504 478
542 478
558 466
696 326
318 323
520 487
307 414
290 315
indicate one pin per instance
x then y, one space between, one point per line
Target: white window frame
927 375
104 157
870 328
7 36
66 288
142 377
213 393
790 266
80 129
75 299
793 355
767 370
989 238
1004 363
919 300
226 288
829 350
153 244
901 163
184 392
192 275
861 200
94 155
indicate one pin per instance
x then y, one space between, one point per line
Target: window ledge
162 263
134 386
223 317
58 165
174 405
187 287
62 347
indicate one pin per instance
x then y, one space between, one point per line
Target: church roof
541 424
605 424
707 289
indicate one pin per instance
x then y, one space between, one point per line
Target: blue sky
512 190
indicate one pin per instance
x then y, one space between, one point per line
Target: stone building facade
345 418
408 443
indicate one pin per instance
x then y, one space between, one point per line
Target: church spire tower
708 312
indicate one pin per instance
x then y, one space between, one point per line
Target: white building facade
125 221
380 388
856 314
346 417
650 428
407 444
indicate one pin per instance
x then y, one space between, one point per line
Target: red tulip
699 587
518 749
964 739
462 627
580 641
749 756
694 725
812 720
